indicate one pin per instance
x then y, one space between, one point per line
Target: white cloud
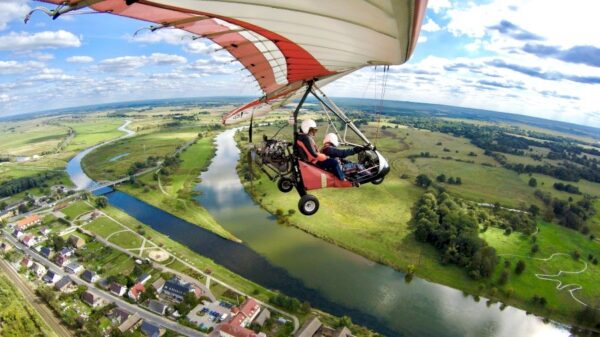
438 5
12 10
422 39
4 98
430 26
166 59
16 67
129 63
80 59
42 56
48 39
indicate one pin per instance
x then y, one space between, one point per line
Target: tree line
17 185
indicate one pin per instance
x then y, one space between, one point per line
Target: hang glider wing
285 43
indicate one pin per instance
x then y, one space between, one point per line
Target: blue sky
539 58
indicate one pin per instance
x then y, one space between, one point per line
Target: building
117 289
158 285
232 330
28 221
38 269
264 315
314 327
176 289
45 231
5 247
118 315
61 260
8 213
67 252
73 268
91 299
17 233
135 291
143 278
130 323
157 307
151 330
63 284
46 252
51 277
26 262
29 240
90 276
246 313
76 242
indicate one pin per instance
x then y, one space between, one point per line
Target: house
158 285
117 289
63 284
130 323
246 313
67 251
151 330
143 278
73 268
61 260
232 330
8 213
135 291
38 269
26 262
46 252
157 307
51 277
5 247
264 315
28 221
17 233
45 231
76 242
91 299
118 315
309 328
29 240
90 276
176 289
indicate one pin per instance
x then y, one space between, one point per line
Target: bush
520 267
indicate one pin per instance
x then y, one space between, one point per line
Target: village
76 272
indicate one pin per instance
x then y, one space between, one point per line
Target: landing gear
285 184
377 181
308 204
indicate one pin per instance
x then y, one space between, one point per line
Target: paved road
45 312
108 297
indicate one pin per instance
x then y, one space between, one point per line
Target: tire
308 204
377 181
285 184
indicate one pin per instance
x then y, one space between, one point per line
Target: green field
91 131
28 138
103 226
17 317
126 240
174 193
76 209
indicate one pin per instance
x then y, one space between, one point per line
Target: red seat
315 178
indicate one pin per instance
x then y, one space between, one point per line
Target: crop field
91 130
17 317
28 138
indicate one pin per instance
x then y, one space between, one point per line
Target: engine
275 154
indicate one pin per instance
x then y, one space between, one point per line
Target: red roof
249 307
136 290
236 330
28 220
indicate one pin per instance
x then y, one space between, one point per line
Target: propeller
251 152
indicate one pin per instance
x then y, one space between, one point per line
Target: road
45 312
108 297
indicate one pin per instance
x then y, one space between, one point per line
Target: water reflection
420 308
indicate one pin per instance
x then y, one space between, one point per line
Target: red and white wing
285 43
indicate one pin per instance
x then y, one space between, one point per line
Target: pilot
310 152
330 148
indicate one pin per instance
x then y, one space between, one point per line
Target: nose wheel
308 204
285 184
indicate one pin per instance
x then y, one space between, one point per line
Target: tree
344 321
451 181
520 267
534 210
441 178
458 181
503 278
533 182
101 202
423 180
535 248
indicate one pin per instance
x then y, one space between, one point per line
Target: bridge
103 184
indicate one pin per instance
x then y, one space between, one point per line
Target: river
327 276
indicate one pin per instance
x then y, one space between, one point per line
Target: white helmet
331 138
307 125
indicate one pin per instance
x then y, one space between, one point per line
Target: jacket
334 152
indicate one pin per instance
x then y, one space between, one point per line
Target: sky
538 57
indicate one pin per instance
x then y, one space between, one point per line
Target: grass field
76 209
99 166
91 130
17 317
32 137
126 240
176 195
103 226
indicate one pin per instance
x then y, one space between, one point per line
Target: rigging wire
381 98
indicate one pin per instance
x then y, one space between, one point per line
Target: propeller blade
250 169
250 129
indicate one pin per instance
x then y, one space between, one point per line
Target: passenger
309 152
330 148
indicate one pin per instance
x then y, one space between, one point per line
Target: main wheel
377 181
308 204
285 184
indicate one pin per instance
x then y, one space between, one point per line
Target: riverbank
353 221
